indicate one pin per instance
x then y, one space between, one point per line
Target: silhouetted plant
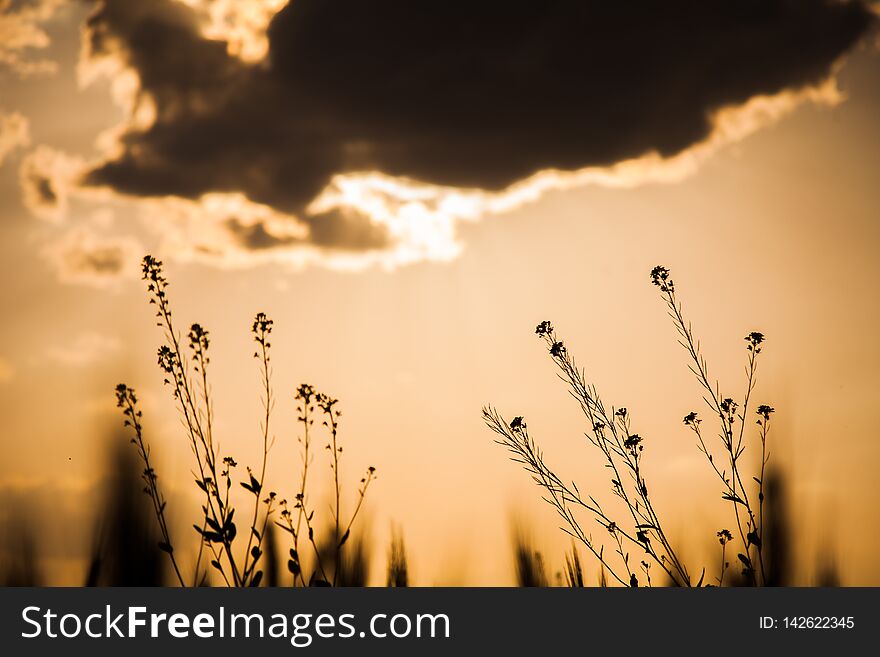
398 570
186 373
124 545
297 519
574 574
530 569
778 531
610 431
353 567
20 560
273 561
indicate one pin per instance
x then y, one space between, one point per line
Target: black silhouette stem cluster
187 375
611 432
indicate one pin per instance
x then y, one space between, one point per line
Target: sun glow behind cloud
421 219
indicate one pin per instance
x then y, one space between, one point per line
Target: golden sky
769 222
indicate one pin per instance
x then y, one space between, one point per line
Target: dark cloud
453 92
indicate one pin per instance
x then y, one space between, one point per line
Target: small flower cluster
261 329
152 271
728 408
557 350
765 411
754 339
724 536
198 342
544 328
326 402
660 278
262 324
305 392
124 394
230 463
156 285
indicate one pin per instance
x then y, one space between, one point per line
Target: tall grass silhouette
528 562
398 568
21 563
641 552
124 539
238 556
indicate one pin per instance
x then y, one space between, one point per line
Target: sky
407 190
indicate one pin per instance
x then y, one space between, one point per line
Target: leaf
213 537
228 522
258 577
247 487
213 524
256 486
702 575
293 566
255 552
255 533
753 539
344 537
732 498
216 565
165 547
293 554
745 560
